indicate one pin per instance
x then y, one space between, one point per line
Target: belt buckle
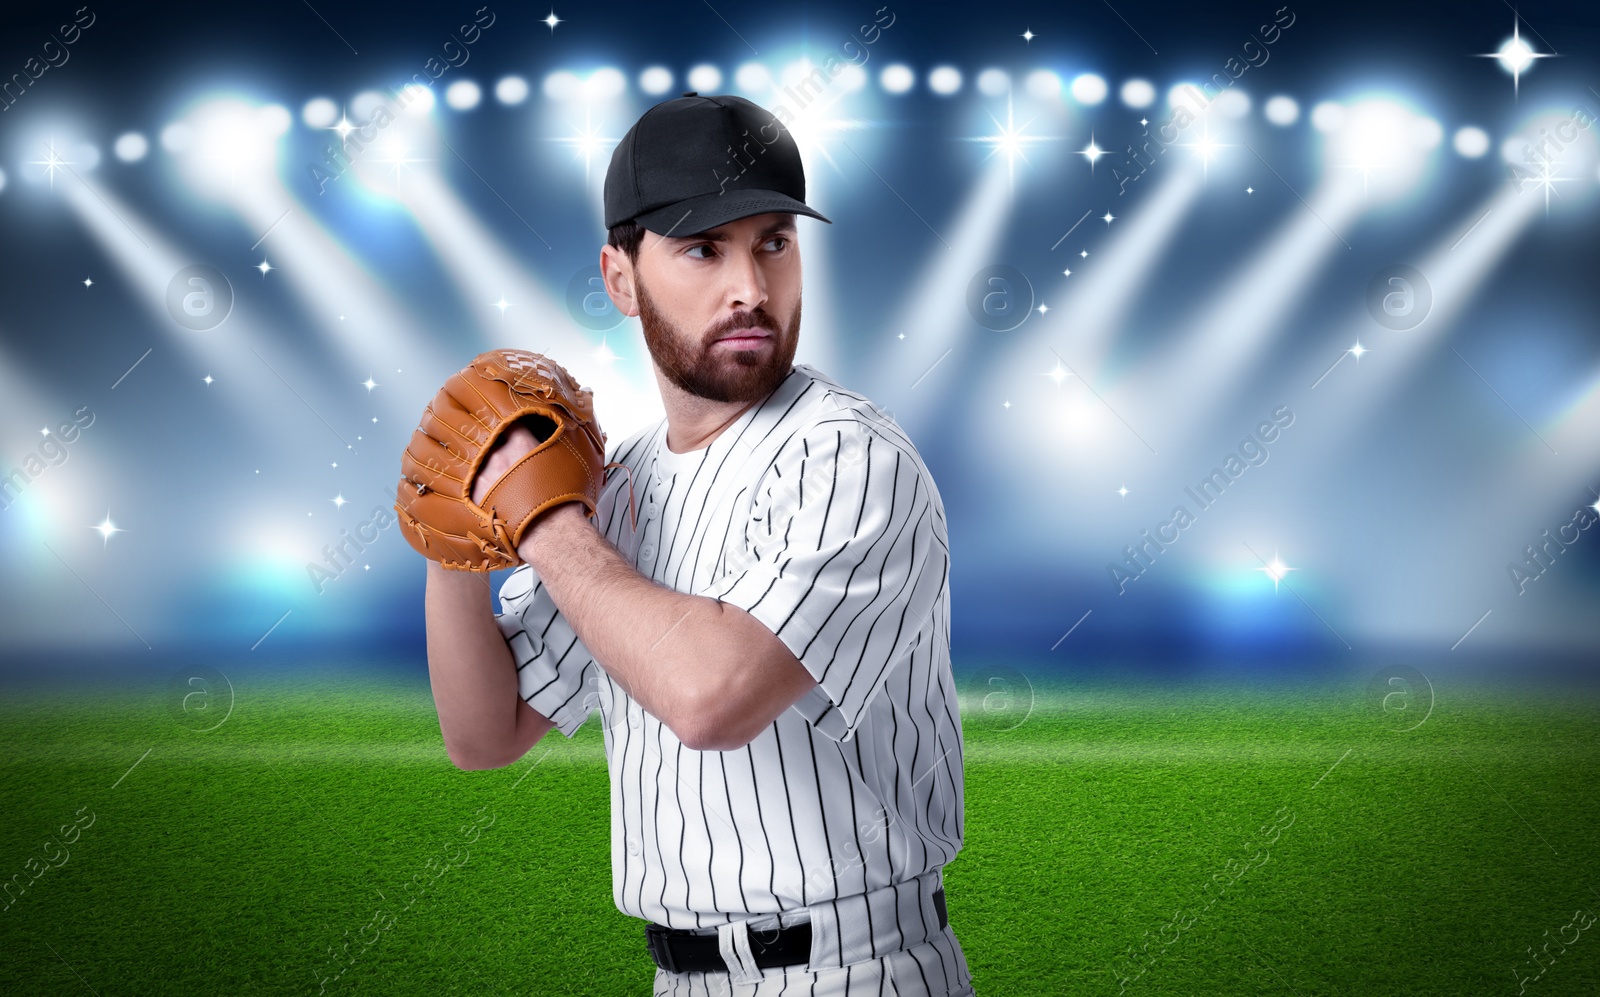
655 941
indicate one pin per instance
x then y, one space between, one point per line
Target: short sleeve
844 559
555 673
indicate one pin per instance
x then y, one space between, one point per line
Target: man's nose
746 284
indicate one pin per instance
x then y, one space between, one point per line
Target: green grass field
1222 840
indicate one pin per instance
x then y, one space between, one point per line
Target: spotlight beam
936 317
484 271
1085 325
148 264
1204 366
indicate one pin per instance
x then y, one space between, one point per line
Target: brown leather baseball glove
459 428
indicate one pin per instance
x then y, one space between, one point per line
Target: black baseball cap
692 163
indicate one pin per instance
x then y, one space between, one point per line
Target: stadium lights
1375 153
705 78
1088 88
463 95
562 85
656 80
319 112
897 79
1043 84
230 153
1282 111
753 78
994 82
511 90
131 147
511 305
605 83
1549 162
1138 94
1455 269
231 145
1382 143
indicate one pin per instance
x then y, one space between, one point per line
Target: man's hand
514 444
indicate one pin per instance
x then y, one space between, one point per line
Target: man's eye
781 240
704 245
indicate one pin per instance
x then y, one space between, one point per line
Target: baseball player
757 602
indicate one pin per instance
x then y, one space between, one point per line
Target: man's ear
617 272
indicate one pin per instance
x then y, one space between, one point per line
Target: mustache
757 318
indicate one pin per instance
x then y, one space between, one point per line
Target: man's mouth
752 336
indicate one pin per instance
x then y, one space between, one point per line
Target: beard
720 375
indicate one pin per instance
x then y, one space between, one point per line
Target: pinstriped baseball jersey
814 513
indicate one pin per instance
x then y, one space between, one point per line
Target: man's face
721 309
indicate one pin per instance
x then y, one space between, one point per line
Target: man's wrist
549 530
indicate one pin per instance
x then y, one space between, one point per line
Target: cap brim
694 215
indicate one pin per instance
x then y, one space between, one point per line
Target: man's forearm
669 650
483 719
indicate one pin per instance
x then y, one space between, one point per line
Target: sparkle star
264 266
1547 179
45 431
1084 254
552 20
208 379
1123 491
1108 217
1276 570
1058 375
1249 190
51 162
502 304
1357 350
339 500
1008 404
1028 35
1091 152
587 142
1596 506
1515 56
370 383
1066 273
604 354
396 158
1206 147
87 282
107 528
1043 309
1010 139
342 126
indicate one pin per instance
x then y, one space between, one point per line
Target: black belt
679 950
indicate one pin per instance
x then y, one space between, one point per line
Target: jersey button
633 720
647 552
633 846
